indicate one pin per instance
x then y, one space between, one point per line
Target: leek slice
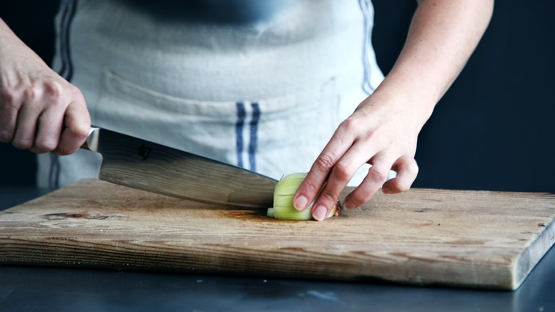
270 212
283 200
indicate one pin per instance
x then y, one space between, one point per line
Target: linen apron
264 91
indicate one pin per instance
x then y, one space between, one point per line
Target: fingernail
320 213
349 204
301 202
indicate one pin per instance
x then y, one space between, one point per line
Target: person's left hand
382 132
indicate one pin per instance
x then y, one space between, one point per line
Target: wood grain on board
424 236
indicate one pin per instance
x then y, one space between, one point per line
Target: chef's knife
156 168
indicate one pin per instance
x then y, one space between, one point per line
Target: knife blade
149 166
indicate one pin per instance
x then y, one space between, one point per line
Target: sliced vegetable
283 200
270 212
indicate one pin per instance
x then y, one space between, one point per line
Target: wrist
395 98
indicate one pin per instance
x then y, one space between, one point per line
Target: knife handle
91 143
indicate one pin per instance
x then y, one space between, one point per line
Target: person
276 87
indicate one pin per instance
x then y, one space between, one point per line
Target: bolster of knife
91 143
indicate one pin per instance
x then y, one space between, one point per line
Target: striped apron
263 91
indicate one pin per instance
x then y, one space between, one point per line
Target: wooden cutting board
424 236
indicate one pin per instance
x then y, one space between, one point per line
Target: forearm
4 29
12 48
7 37
442 36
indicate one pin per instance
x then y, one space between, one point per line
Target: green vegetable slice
283 200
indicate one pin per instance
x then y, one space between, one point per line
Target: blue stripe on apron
241 115
365 6
69 7
253 134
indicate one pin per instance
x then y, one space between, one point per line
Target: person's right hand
39 110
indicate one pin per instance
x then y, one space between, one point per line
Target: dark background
493 130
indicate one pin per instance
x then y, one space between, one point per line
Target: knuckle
8 97
413 168
44 146
325 162
350 124
54 91
76 94
6 135
328 199
311 187
398 188
378 175
22 143
62 92
78 132
410 167
82 132
343 171
64 150
356 124
31 93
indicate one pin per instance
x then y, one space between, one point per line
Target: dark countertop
70 289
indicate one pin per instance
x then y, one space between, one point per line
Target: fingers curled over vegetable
380 133
283 200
